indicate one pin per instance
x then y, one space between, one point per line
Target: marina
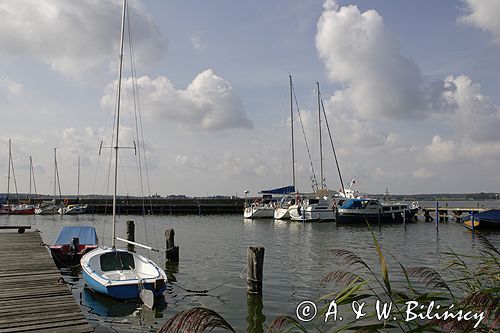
165 174
297 255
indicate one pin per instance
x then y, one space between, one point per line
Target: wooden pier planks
31 300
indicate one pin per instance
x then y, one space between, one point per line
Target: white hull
257 212
122 276
281 213
73 210
312 213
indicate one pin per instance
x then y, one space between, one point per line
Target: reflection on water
255 317
213 256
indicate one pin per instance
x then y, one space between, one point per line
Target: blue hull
124 292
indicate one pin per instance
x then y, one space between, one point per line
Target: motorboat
72 243
487 220
260 208
363 210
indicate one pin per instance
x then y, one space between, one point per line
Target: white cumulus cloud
440 151
473 114
209 103
359 51
483 14
75 36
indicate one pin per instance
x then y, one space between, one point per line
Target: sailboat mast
320 140
31 168
117 127
8 172
291 126
55 172
78 179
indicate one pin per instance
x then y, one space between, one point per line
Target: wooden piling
130 235
255 269
172 253
437 215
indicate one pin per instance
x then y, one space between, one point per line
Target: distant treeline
442 196
406 197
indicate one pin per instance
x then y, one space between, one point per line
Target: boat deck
31 299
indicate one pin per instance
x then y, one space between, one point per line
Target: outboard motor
73 247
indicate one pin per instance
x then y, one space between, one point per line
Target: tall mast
31 168
8 173
55 172
117 127
78 180
291 126
320 141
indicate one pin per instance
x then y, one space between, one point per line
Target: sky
411 92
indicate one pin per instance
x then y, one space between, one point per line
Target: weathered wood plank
31 299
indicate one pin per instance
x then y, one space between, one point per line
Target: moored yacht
260 208
320 208
362 210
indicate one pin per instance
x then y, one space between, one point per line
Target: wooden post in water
172 253
255 269
130 235
472 221
437 215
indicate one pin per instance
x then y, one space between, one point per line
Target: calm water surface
213 256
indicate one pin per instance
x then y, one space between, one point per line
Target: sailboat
282 209
22 208
75 208
122 274
7 209
319 207
50 207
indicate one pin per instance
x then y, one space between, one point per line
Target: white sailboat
50 207
77 208
117 273
320 207
282 209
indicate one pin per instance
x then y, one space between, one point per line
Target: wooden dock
31 299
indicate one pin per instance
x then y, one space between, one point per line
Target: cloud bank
360 52
73 37
209 103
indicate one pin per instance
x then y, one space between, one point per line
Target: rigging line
141 153
315 184
14 176
58 181
333 147
34 182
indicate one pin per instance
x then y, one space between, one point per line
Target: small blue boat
72 244
487 220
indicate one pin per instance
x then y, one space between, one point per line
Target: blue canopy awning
280 190
492 215
85 234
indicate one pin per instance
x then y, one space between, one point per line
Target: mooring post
472 221
255 269
130 234
437 215
130 231
172 253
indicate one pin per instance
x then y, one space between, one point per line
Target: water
213 256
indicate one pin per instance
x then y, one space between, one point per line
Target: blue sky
411 90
